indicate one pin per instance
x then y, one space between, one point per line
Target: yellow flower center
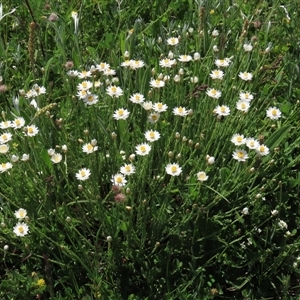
30 130
159 105
113 89
90 98
180 109
89 147
173 169
243 105
121 112
240 154
4 137
223 109
21 229
154 117
274 112
239 139
143 148
82 173
119 180
152 134
3 166
127 168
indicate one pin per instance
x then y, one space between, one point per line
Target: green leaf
46 159
277 137
224 173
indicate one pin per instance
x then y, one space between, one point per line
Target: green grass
231 236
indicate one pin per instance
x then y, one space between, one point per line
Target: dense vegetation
149 150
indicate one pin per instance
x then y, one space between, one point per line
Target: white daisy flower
185 58
84 74
159 107
30 94
118 180
90 99
217 74
25 157
180 111
89 148
248 47
252 143
56 158
126 63
157 83
31 130
167 63
84 85
127 169
114 91
103 66
173 41
262 150
238 139
137 98
82 94
215 33
147 105
214 93
273 113
109 72
121 114
153 118
201 176
222 110
4 148
39 90
21 229
246 76
5 166
152 135
5 124
240 155
72 73
243 105
83 174
222 62
136 64
143 149
5 137
20 213
246 96
18 123
173 169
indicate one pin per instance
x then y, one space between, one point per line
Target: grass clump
149 151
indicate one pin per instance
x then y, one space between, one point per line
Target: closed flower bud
68 219
114 135
126 54
190 143
177 135
109 238
184 139
170 154
64 148
211 160
132 157
80 187
5 248
274 212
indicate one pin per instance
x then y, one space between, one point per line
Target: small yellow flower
212 12
41 282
